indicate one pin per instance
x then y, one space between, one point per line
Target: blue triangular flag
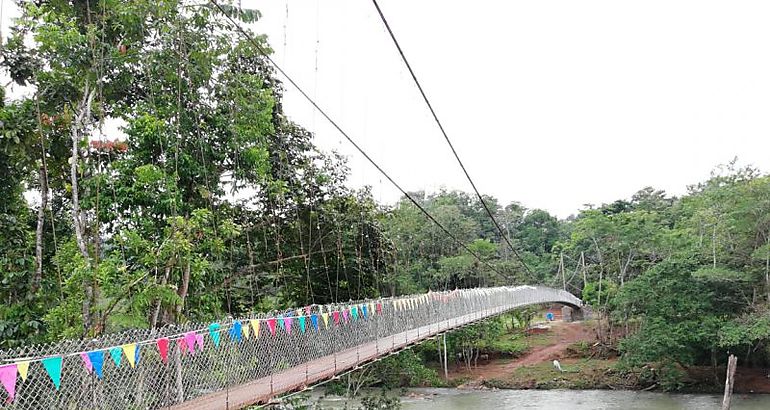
136 354
314 319
214 332
236 331
116 353
363 310
302 323
97 361
52 366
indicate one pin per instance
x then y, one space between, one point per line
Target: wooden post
446 370
732 362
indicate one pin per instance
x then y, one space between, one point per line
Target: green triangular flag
53 367
116 353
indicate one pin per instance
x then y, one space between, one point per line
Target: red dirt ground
562 334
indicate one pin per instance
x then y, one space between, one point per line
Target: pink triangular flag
8 378
180 343
336 317
287 321
199 341
307 310
189 339
87 362
345 315
271 325
163 348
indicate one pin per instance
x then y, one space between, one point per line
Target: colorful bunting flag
302 323
281 323
189 340
364 311
87 362
314 320
255 327
354 312
23 368
246 330
287 321
336 317
271 325
116 354
163 349
199 340
345 315
236 332
96 358
130 350
52 366
214 332
307 310
379 308
325 317
137 355
8 379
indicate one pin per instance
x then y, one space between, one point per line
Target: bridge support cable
449 142
246 35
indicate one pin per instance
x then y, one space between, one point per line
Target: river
453 399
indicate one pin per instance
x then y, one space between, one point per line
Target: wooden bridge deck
263 390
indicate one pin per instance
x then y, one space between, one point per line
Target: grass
578 374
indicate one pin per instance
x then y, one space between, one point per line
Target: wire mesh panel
237 362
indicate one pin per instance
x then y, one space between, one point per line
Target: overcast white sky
551 103
554 104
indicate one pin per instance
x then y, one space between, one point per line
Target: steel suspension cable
262 51
446 137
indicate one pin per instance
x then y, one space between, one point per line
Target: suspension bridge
242 362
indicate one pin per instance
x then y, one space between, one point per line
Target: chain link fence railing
298 344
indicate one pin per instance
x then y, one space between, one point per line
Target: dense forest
211 202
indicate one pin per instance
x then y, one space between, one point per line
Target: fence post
179 383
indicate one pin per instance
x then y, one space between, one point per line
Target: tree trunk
78 126
39 231
76 130
183 290
767 274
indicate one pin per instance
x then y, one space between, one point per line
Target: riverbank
584 368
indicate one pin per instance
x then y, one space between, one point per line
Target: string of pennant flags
189 343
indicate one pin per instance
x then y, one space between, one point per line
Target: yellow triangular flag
255 327
245 331
325 317
130 351
23 367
